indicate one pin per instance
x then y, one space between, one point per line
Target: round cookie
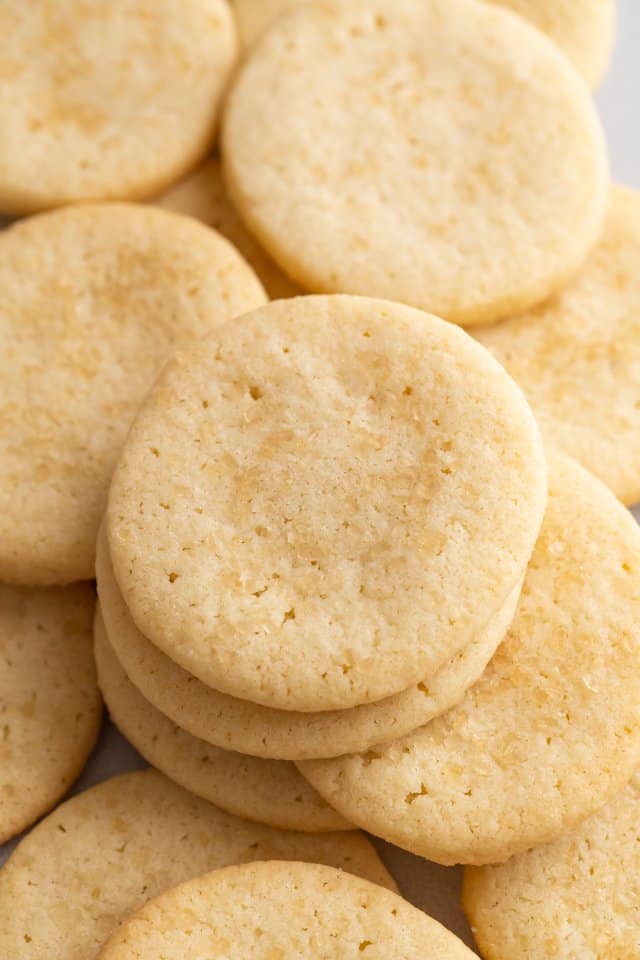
104 102
279 909
50 707
576 898
577 357
584 29
410 174
269 791
203 195
551 732
103 854
247 727
94 298
323 546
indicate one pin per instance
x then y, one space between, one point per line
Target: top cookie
584 29
450 158
551 732
279 909
93 299
294 518
577 357
107 101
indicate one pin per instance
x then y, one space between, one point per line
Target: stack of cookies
343 419
293 564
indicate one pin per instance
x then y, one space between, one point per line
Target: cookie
576 898
551 732
203 195
322 547
451 158
102 854
269 791
282 734
94 299
279 909
584 29
50 708
577 357
106 104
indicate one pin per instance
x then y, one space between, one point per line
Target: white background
436 889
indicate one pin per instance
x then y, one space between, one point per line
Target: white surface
433 888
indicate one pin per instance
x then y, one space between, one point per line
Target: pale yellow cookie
577 898
268 791
247 727
203 195
50 707
278 909
577 357
94 298
551 732
103 854
584 29
441 153
294 518
107 101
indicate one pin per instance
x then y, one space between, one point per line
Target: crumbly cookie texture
577 898
294 515
584 29
203 195
101 855
577 357
247 727
551 732
278 909
50 707
450 158
269 791
94 298
107 101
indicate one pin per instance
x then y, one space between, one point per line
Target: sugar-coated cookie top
324 501
550 732
577 898
106 100
103 854
278 909
94 298
442 153
577 357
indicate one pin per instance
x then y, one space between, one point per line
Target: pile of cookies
344 424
